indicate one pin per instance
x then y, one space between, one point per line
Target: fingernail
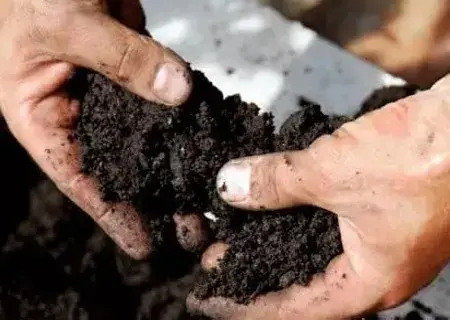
172 83
233 181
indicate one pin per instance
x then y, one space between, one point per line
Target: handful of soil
165 161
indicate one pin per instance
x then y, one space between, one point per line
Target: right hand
387 177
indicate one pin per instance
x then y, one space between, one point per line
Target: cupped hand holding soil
386 176
41 44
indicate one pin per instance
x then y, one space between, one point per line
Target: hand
42 41
420 31
387 177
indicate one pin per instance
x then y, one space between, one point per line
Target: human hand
42 41
387 177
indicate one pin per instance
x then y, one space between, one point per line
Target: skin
42 42
387 178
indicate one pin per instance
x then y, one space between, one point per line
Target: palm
388 182
332 293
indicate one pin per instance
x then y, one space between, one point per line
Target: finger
191 230
212 256
134 61
328 296
45 129
279 180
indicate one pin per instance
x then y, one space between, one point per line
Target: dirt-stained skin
386 176
42 42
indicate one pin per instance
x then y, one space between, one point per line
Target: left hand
41 43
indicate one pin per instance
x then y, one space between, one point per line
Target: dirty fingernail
172 83
233 181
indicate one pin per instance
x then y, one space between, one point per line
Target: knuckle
76 182
82 190
290 169
107 212
264 178
323 154
131 59
326 181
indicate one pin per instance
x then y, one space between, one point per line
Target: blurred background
407 38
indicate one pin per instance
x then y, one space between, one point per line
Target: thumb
137 62
280 180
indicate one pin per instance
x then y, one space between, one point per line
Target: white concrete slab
261 46
249 49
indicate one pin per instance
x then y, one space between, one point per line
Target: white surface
275 61
260 45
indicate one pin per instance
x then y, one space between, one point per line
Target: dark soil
270 251
56 264
165 161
